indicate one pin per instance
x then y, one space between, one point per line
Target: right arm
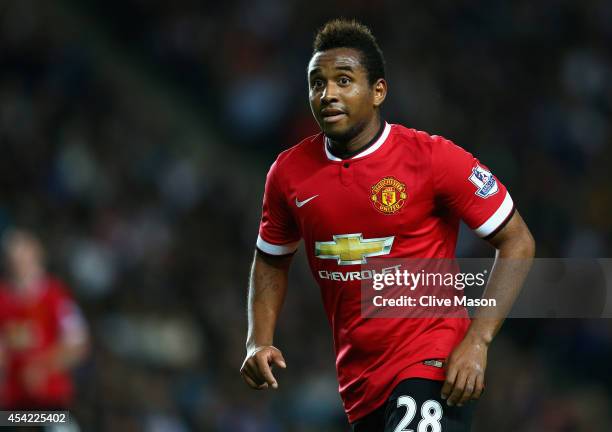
267 290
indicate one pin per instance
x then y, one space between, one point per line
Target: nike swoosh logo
301 203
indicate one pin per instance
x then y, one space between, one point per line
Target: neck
359 141
28 281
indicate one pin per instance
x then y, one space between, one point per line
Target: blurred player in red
366 188
42 332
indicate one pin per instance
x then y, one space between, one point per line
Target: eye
344 81
317 83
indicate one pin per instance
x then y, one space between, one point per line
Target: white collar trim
379 142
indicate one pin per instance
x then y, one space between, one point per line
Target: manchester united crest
388 195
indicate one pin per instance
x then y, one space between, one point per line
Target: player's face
341 98
23 256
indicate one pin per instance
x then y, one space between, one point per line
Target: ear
380 92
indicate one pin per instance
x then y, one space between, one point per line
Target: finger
254 372
250 381
265 371
249 368
479 388
277 358
470 384
451 376
457 390
260 383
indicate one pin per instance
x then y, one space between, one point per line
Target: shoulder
413 140
416 136
5 288
57 289
307 148
425 142
5 292
300 157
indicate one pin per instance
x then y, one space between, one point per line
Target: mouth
330 115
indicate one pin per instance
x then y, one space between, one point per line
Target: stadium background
135 140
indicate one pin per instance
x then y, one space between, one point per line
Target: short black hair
343 33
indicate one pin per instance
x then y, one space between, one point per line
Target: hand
465 370
34 378
256 369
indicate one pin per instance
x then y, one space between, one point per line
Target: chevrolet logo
353 248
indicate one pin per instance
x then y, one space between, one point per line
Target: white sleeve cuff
273 249
498 218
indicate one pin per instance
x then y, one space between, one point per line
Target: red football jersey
29 327
407 191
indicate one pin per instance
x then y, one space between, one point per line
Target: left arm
465 368
73 345
68 351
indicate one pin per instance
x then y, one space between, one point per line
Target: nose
329 94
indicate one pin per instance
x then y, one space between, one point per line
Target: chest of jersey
362 207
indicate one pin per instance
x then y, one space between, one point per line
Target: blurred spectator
42 332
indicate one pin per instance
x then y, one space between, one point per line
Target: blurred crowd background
135 138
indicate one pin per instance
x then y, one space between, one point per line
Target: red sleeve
278 232
468 188
72 325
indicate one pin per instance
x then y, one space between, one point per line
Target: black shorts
416 404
